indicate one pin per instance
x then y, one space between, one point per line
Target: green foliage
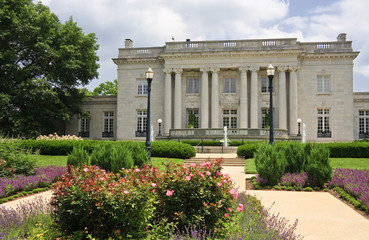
247 150
308 189
42 62
317 165
106 88
270 163
290 188
295 157
172 149
15 160
348 197
298 188
107 205
78 157
191 120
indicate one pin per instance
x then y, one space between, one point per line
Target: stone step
215 149
226 161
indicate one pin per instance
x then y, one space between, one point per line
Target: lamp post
149 76
270 73
159 121
299 126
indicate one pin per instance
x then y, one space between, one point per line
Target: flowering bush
43 177
56 137
294 179
135 204
355 182
260 180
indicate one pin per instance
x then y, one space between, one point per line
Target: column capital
178 70
167 70
214 69
204 69
243 68
254 68
282 68
292 68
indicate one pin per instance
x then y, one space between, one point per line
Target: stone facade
225 83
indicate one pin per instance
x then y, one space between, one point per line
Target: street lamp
149 76
159 121
299 125
270 73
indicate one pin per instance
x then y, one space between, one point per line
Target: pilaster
254 97
214 97
243 98
282 97
167 124
178 98
204 98
293 101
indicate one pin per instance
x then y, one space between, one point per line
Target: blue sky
153 22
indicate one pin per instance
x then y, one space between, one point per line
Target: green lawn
352 163
46 160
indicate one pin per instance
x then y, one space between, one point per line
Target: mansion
225 83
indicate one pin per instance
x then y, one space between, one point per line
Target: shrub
247 150
295 157
78 157
15 160
172 149
317 166
270 163
111 206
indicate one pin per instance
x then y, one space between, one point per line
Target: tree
42 62
106 88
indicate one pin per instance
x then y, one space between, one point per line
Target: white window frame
324 84
194 111
323 126
230 118
193 85
229 85
141 120
363 123
84 125
142 87
108 121
264 112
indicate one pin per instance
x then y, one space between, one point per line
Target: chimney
341 37
128 43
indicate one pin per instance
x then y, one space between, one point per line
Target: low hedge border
337 150
351 199
23 194
170 149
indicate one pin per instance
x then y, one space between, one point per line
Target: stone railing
233 133
327 46
140 52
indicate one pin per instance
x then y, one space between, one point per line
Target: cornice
136 60
351 55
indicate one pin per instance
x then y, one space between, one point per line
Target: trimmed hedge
337 150
217 142
170 149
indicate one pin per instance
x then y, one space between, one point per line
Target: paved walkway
320 215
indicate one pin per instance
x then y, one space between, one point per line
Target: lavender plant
294 179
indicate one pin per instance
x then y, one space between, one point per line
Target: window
230 118
264 84
142 87
196 113
108 124
324 84
84 127
141 123
229 85
265 118
192 85
323 123
363 123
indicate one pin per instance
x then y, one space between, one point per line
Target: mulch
250 186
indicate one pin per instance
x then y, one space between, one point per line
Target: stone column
167 101
243 98
254 97
178 98
214 98
282 97
293 101
204 98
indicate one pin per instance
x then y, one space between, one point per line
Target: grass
61 160
351 163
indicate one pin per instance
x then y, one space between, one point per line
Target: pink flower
193 165
225 181
240 207
170 193
235 195
85 169
102 179
153 184
219 173
226 215
125 192
188 178
227 175
219 184
231 180
232 191
203 164
229 209
137 170
208 173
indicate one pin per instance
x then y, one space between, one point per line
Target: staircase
211 153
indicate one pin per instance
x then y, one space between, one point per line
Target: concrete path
13 204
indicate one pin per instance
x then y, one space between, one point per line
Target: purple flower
294 179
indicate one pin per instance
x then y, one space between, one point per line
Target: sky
151 23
